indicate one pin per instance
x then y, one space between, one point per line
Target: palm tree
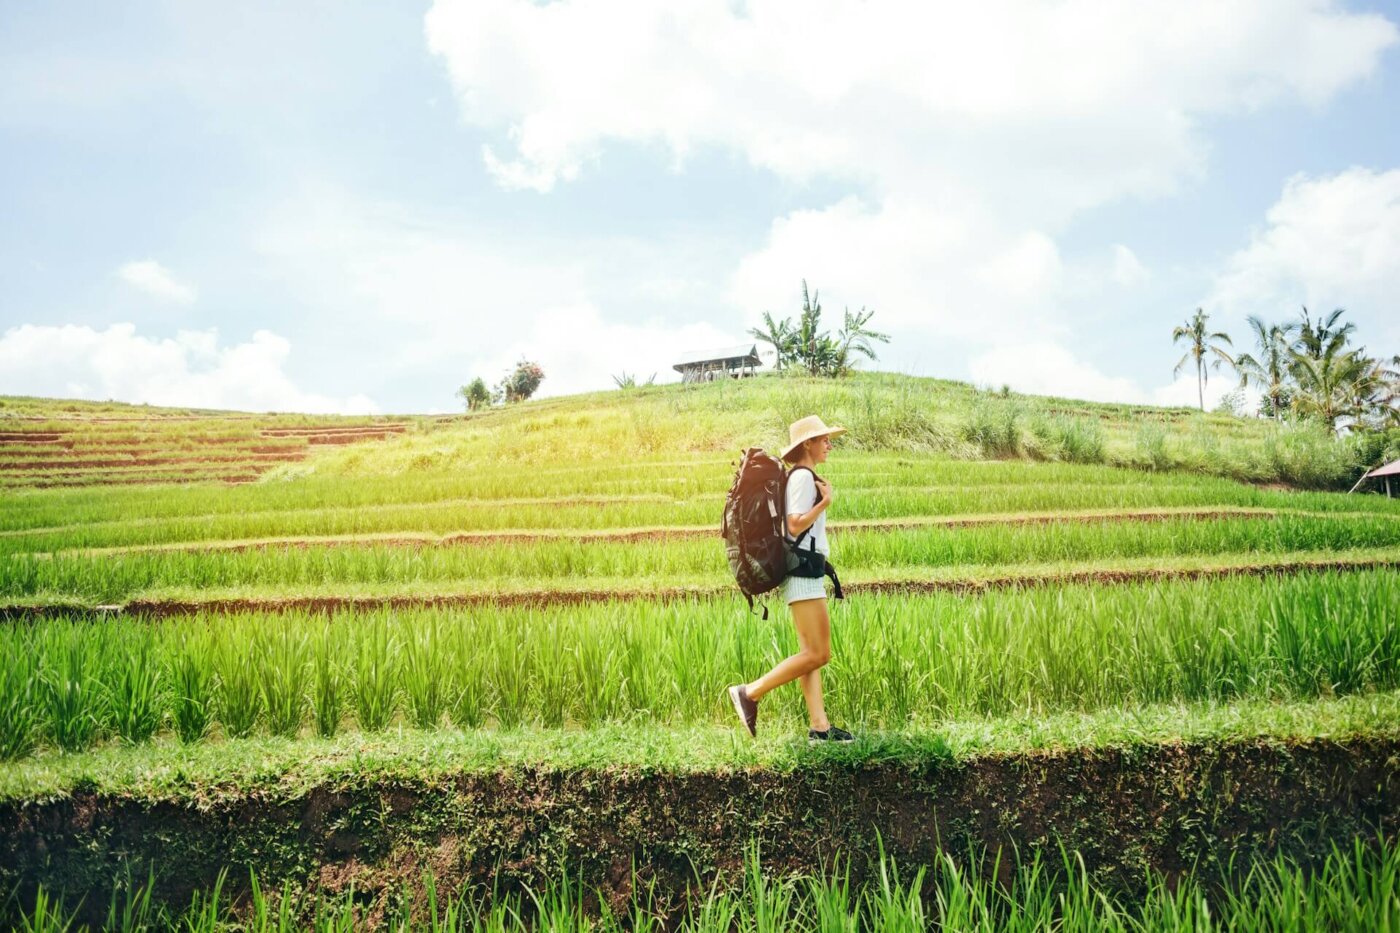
855 337
1270 371
1200 342
1376 392
813 348
1315 338
778 333
1327 385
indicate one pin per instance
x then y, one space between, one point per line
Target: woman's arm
799 523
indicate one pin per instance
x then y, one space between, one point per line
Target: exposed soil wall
1165 807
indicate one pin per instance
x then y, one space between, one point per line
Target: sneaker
746 709
831 734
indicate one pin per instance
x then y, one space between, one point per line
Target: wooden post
1387 487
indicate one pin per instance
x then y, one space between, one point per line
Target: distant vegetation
1304 369
807 346
517 386
885 412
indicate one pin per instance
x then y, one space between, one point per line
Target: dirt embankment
1162 807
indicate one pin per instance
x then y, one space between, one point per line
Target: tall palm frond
779 334
1327 385
855 337
1269 372
1200 343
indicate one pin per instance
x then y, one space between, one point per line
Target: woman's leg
813 651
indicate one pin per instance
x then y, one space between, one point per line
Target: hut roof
1390 469
742 353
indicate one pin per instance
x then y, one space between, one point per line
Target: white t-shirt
801 496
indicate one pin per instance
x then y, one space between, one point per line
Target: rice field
601 603
84 444
1356 889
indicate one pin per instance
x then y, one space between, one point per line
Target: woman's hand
825 491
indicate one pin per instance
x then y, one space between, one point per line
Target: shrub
475 394
522 382
993 425
1151 446
1306 454
1065 437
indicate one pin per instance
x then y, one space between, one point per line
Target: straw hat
804 429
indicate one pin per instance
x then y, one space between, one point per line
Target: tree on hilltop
855 337
1200 343
521 383
1269 371
475 394
780 335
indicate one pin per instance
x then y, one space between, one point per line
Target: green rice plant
425 677
283 679
192 680
136 693
549 674
1352 888
73 699
509 671
327 684
467 690
240 696
374 691
691 558
897 657
20 698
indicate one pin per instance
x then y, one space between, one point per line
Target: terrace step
320 816
1140 570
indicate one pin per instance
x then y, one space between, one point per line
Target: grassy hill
491 648
885 413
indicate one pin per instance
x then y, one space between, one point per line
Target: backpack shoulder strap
788 478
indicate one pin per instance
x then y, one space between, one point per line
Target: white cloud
1050 369
154 279
1067 102
973 133
1128 270
191 369
453 302
1329 242
575 346
1046 368
923 272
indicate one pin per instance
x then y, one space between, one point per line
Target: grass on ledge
210 771
721 585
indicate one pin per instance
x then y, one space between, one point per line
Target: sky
360 206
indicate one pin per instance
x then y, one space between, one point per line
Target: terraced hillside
47 444
493 652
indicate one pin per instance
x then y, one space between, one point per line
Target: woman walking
808 498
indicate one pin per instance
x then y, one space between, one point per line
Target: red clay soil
542 599
397 428
346 439
225 448
79 480
141 462
26 437
470 538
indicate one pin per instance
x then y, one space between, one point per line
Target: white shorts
795 589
